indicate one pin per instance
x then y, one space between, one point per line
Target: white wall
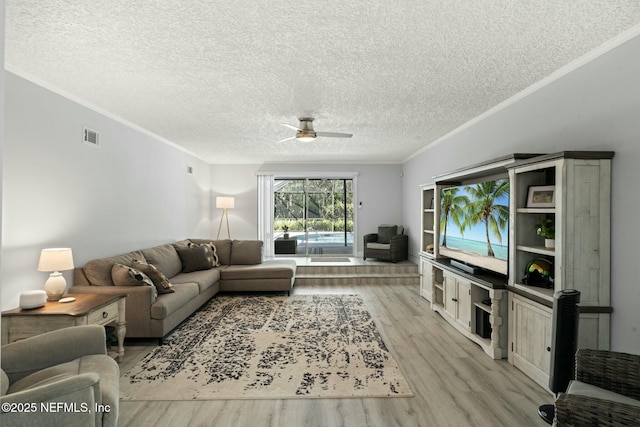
239 181
595 107
2 5
130 192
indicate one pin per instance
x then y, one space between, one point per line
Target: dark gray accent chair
388 244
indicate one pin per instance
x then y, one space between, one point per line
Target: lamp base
225 214
55 286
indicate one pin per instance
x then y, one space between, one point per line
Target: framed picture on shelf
541 196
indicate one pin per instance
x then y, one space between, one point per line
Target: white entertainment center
507 318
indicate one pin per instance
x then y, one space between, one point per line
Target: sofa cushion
374 245
43 377
385 232
165 258
223 248
85 364
204 278
257 271
159 280
246 252
98 271
102 366
195 258
167 304
583 389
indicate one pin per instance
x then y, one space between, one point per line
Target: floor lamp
225 203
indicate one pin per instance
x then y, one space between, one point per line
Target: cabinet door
464 304
450 295
531 338
426 279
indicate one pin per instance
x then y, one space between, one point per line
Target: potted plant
286 231
547 229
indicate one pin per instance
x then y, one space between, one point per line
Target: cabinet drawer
104 315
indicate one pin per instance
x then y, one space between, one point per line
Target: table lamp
225 203
55 260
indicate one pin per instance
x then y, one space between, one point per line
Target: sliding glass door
313 216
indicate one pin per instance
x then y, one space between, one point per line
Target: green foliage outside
316 225
324 202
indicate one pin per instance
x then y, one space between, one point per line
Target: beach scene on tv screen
474 224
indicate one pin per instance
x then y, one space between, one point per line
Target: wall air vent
90 136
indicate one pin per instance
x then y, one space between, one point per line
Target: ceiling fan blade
334 134
287 139
289 126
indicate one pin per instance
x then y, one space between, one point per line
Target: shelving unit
460 299
456 295
580 258
517 322
428 220
427 238
438 284
483 307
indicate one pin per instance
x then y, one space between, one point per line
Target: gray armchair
388 244
606 391
60 378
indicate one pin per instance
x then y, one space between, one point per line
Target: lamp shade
225 202
55 259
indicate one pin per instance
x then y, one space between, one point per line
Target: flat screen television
474 224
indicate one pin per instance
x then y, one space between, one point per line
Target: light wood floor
454 382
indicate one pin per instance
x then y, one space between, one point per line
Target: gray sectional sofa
165 284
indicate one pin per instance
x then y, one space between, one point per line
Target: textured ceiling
219 77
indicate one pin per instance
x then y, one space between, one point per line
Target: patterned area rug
270 347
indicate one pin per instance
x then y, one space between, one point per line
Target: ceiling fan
305 132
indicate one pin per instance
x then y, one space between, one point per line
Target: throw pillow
160 281
212 253
385 232
123 275
194 259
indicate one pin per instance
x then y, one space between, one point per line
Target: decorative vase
286 235
550 243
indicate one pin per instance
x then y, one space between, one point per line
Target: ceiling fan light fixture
305 136
306 133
